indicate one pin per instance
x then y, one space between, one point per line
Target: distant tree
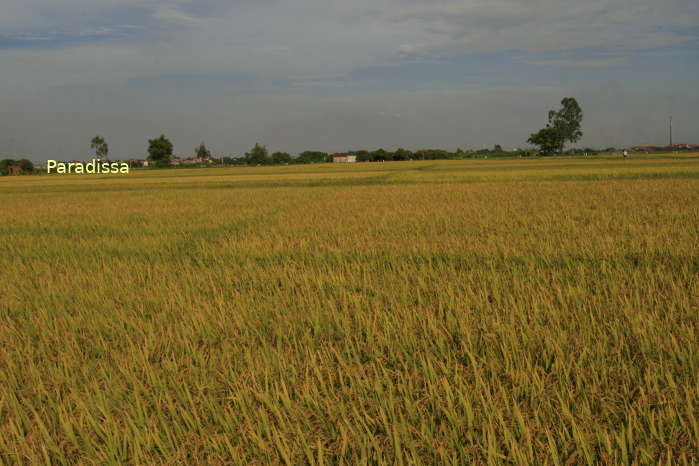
573 115
568 120
548 139
26 165
497 148
313 157
563 125
99 145
202 152
362 155
432 154
160 150
281 158
380 155
402 154
5 166
257 156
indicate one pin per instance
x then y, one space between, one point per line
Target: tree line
160 152
564 125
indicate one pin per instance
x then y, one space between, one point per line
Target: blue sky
335 75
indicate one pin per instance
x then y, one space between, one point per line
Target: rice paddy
511 311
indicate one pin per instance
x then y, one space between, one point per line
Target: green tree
99 145
402 154
257 156
202 152
311 156
5 166
381 155
564 125
497 148
568 120
362 155
281 158
26 165
548 139
160 150
432 154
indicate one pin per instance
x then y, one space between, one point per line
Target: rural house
14 169
344 158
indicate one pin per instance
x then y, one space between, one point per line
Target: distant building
14 169
664 148
344 158
136 163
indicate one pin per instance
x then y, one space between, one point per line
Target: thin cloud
169 13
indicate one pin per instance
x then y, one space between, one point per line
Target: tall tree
257 155
160 150
568 120
99 145
202 152
564 125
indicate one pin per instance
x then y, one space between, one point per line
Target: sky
337 75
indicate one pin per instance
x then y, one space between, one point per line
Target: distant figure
626 153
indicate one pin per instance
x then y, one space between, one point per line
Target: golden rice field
444 312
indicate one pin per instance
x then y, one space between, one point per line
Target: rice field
514 311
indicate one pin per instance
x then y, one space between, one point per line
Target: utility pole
670 132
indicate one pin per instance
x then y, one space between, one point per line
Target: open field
517 311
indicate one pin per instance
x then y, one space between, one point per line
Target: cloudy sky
340 75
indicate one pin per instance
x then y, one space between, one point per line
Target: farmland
539 311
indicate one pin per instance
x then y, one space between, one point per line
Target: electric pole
670 132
